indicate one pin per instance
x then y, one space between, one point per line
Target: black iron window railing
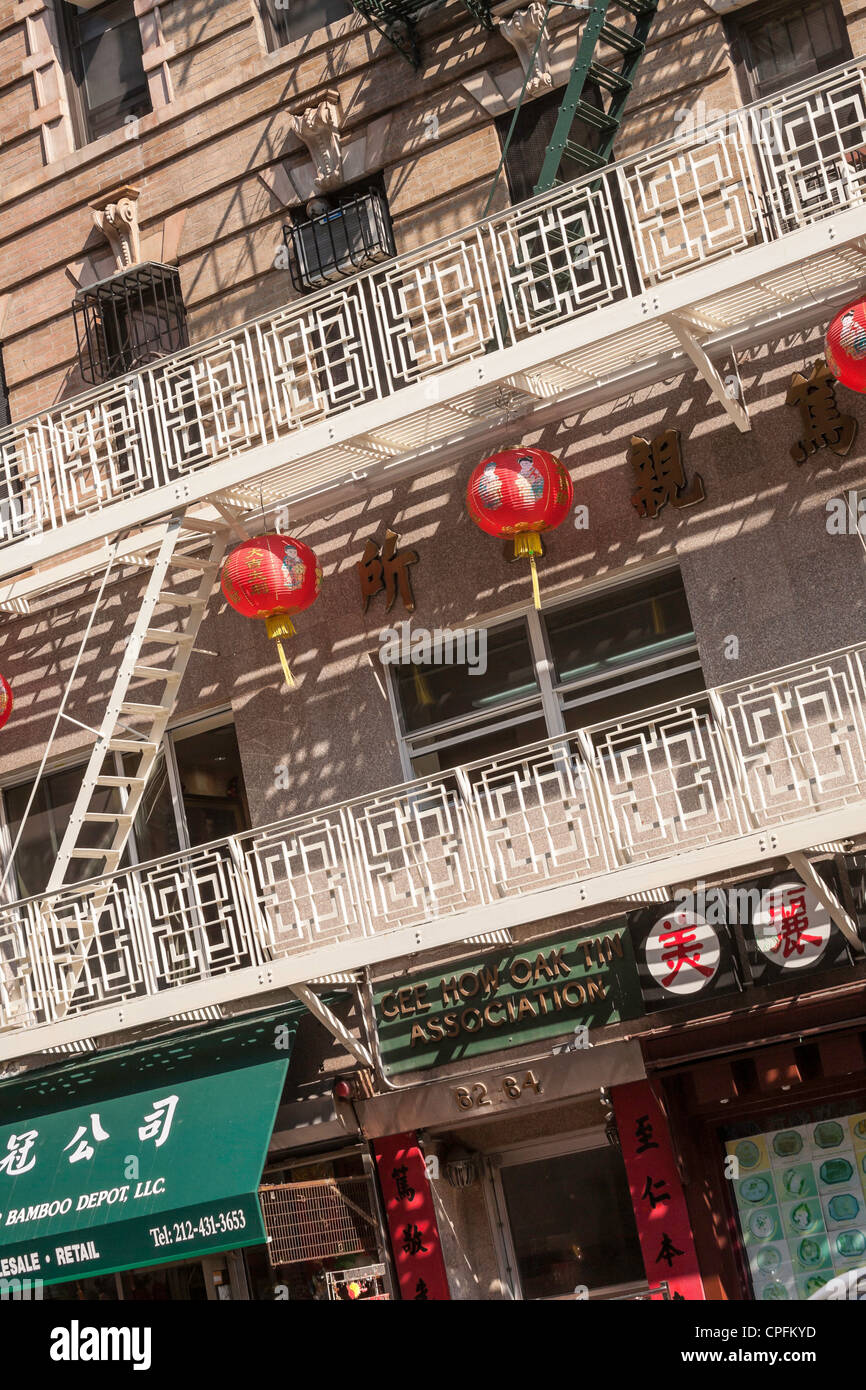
339 240
129 320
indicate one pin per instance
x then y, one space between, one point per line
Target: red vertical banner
657 1196
411 1218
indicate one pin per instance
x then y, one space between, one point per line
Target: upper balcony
718 237
745 774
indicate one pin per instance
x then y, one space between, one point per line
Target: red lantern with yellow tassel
846 346
272 577
520 493
5 700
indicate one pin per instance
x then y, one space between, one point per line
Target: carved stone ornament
319 128
521 30
117 218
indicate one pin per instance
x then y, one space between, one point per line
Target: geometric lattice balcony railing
764 177
346 883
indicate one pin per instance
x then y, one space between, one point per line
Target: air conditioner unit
340 241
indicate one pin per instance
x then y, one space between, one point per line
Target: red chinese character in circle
792 923
679 948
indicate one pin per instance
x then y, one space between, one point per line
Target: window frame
737 26
267 12
194 724
536 1151
550 702
70 44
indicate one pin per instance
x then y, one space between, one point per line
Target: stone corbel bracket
521 29
319 129
116 216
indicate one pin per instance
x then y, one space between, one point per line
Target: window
5 416
570 1222
623 652
780 44
288 20
588 661
108 81
195 794
532 135
129 320
332 240
450 716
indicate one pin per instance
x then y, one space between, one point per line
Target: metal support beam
805 869
696 351
337 1029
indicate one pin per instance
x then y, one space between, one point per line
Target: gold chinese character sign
824 425
387 569
660 474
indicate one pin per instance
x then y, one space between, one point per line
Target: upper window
533 132
781 43
195 794
108 81
624 651
287 20
596 660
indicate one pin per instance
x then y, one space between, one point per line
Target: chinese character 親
413 1242
19 1146
824 425
83 1147
388 570
158 1123
660 475
404 1191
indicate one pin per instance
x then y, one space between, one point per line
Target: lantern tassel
290 680
536 592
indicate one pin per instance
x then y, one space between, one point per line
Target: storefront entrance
565 1219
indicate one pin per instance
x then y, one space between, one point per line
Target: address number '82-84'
473 1097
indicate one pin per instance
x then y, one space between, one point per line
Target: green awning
141 1156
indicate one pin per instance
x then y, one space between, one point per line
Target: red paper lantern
520 493
272 577
6 701
846 346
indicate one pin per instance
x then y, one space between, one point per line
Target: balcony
742 774
683 252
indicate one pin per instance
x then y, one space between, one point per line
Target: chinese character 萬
19 1147
404 1191
388 570
660 474
158 1123
824 425
83 1147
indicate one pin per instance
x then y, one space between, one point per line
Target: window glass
211 784
45 827
431 694
532 134
107 64
788 43
295 19
624 651
572 1223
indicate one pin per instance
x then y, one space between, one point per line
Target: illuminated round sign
791 926
682 952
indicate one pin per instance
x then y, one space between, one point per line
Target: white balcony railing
344 884
766 173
